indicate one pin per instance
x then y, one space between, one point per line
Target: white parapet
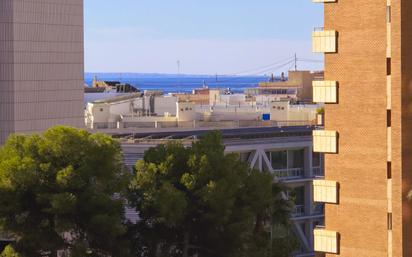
325 141
326 241
324 41
325 191
325 91
324 1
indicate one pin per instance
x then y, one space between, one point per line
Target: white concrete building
159 111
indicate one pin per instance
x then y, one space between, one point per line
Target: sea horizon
179 82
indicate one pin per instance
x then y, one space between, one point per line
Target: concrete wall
201 99
185 111
165 104
41 65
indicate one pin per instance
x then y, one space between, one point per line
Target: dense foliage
199 201
57 193
62 194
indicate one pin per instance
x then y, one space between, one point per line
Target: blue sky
207 36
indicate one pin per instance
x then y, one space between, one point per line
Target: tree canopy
9 252
200 201
57 193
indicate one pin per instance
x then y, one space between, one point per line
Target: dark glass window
316 159
244 157
297 158
299 195
389 118
279 160
389 170
388 66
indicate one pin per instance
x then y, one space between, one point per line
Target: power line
271 69
310 60
259 68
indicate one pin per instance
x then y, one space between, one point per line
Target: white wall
165 104
185 111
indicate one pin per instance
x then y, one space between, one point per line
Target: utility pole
178 74
296 62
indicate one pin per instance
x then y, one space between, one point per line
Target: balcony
286 174
325 191
318 209
325 141
318 172
324 41
325 91
298 211
326 241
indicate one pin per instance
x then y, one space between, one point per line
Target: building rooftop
230 133
115 99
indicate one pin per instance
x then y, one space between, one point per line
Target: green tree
9 252
199 200
58 192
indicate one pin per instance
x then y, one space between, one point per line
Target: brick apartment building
368 128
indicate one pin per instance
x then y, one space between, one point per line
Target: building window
388 14
298 195
388 66
244 157
389 170
278 159
316 159
296 158
389 221
389 118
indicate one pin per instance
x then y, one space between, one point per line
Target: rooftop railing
200 124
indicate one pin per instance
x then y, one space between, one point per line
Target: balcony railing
318 209
315 29
299 211
290 173
318 172
201 124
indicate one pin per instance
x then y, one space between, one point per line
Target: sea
173 83
179 83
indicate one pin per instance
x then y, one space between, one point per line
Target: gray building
41 65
